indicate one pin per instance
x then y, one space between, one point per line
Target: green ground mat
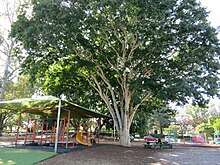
14 156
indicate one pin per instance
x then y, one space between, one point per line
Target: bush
158 135
183 137
106 134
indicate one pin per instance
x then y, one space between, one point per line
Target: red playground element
150 138
199 139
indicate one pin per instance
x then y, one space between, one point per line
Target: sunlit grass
13 156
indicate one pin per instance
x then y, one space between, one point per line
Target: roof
47 106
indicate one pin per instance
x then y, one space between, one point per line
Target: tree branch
147 96
106 100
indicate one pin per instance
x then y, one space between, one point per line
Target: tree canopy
123 51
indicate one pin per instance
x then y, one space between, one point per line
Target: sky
213 7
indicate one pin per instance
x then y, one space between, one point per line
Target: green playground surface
14 156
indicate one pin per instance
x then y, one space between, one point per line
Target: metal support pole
58 123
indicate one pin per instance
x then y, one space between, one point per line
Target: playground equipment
47 134
49 107
79 138
170 138
200 138
50 126
217 138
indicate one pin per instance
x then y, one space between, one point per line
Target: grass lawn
14 156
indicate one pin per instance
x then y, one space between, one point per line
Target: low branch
147 96
12 73
106 100
104 78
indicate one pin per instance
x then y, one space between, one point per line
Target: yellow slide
80 139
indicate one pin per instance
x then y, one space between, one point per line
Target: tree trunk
124 132
124 135
161 129
1 123
119 103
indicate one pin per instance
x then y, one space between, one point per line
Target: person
160 142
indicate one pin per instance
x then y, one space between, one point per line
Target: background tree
183 121
8 61
155 113
205 128
216 125
161 118
127 51
197 115
11 85
14 90
213 111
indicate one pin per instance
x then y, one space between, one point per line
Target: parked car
131 137
5 134
137 136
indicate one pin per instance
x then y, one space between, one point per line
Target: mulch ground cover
113 154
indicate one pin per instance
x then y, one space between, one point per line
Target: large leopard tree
121 50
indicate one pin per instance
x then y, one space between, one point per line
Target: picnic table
150 144
154 144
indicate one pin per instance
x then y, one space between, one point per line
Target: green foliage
19 89
176 48
214 111
209 127
171 127
14 90
216 124
155 113
198 115
161 136
140 124
205 128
